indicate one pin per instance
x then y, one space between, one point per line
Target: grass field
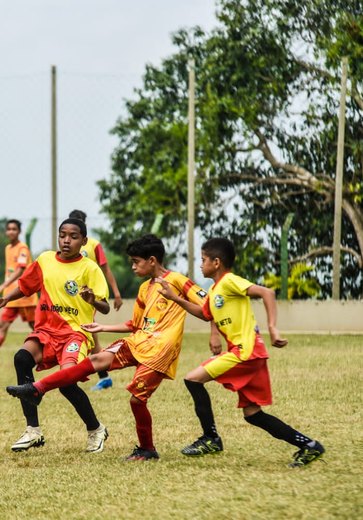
317 389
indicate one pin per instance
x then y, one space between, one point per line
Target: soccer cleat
141 454
103 384
306 455
31 438
26 392
96 439
203 446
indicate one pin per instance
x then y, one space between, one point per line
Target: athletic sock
102 374
80 401
278 429
24 364
67 376
203 407
143 424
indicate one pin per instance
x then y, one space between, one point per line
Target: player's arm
113 284
100 305
99 327
169 294
14 276
215 343
14 295
269 301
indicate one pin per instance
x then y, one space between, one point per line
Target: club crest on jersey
218 301
72 347
71 287
161 304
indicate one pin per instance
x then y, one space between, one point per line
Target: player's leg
8 316
214 368
24 361
70 375
105 381
97 432
4 327
256 393
143 385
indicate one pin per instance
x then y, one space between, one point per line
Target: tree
267 104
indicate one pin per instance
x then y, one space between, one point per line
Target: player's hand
165 290
92 327
276 340
117 302
87 294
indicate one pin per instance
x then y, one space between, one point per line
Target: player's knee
23 359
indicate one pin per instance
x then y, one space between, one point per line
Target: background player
94 250
17 258
71 288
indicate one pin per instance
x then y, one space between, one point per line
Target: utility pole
191 167
53 126
284 256
339 184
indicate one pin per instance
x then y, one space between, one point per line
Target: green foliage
268 89
300 285
127 282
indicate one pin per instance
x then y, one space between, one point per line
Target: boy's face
70 241
209 266
12 232
143 267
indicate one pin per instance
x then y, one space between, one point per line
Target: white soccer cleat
31 438
96 439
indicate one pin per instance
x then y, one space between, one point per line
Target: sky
100 49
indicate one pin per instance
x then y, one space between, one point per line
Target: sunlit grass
317 389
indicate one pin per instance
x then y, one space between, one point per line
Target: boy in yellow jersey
71 288
243 368
94 250
17 259
153 346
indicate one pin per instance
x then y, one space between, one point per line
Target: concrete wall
301 317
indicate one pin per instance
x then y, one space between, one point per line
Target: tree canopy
267 100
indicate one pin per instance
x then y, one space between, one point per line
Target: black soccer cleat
306 455
203 446
26 392
142 455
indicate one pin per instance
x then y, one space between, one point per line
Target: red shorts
249 378
59 350
145 380
9 314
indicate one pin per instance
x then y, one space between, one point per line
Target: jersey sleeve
23 257
97 282
101 258
189 289
206 310
236 285
31 280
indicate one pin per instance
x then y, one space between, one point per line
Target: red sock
67 376
143 424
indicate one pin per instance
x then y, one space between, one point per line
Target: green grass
317 389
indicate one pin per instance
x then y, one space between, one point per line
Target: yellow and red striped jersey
158 323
